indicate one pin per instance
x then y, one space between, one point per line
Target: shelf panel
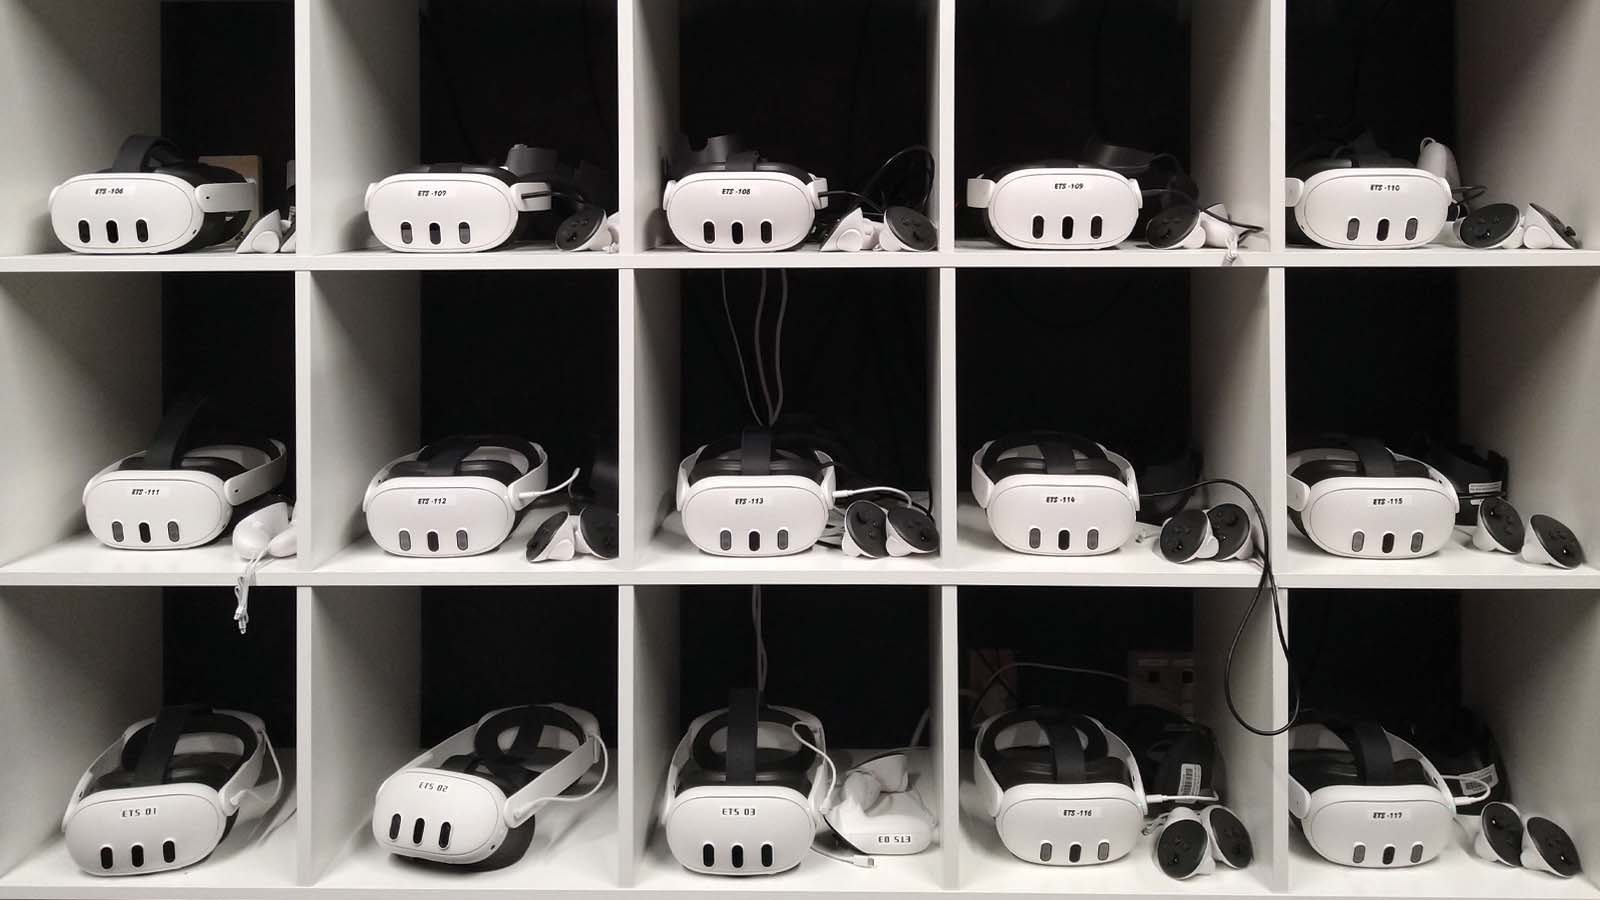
919 873
1457 566
81 560
1431 256
980 253
522 257
365 563
806 256
574 849
215 259
240 867
982 559
1458 872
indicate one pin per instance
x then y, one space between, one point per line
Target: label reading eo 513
894 839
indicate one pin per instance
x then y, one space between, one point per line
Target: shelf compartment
400 84
1075 351
1520 659
399 359
691 645
396 670
697 73
1200 90
1496 358
860 353
112 656
86 76
97 357
1184 636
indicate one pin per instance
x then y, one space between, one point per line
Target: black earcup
1232 838
868 527
1184 535
544 534
915 527
600 531
1489 225
1169 227
1230 526
914 229
1554 846
1558 541
1181 847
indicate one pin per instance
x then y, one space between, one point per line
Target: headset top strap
743 715
1369 744
171 440
755 452
1066 754
1375 458
445 457
160 742
144 152
1057 448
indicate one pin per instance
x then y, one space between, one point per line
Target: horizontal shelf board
982 559
239 867
521 257
365 563
980 253
1458 872
1431 256
574 849
1457 566
81 560
816 874
806 256
215 259
988 867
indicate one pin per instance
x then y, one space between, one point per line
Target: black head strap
743 713
1069 757
144 153
1066 753
530 723
1375 458
445 457
1369 745
755 452
1057 448
154 745
171 440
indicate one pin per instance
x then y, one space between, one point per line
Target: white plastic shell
742 211
1375 209
1059 208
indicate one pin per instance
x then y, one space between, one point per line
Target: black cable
861 199
1267 583
1246 227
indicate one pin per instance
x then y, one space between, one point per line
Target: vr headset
1366 798
153 199
1062 789
1354 497
726 198
1362 197
465 208
471 801
459 496
1055 494
742 791
170 790
175 494
755 495
1475 476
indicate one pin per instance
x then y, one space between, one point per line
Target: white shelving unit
83 338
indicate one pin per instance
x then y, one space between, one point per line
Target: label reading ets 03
741 812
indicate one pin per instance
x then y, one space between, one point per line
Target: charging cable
860 860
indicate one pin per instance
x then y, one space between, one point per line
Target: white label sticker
1475 782
1485 487
1189 779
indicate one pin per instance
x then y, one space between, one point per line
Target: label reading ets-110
1386 188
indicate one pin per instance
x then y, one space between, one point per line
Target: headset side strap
372 486
982 487
258 481
552 781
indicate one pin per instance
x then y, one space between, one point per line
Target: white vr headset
176 495
1366 798
153 199
1055 494
1062 789
743 793
1341 204
471 801
749 496
1355 497
1057 207
726 198
460 496
170 790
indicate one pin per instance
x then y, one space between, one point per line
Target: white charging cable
241 588
530 496
1464 780
860 860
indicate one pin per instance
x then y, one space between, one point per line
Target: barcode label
1189 779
